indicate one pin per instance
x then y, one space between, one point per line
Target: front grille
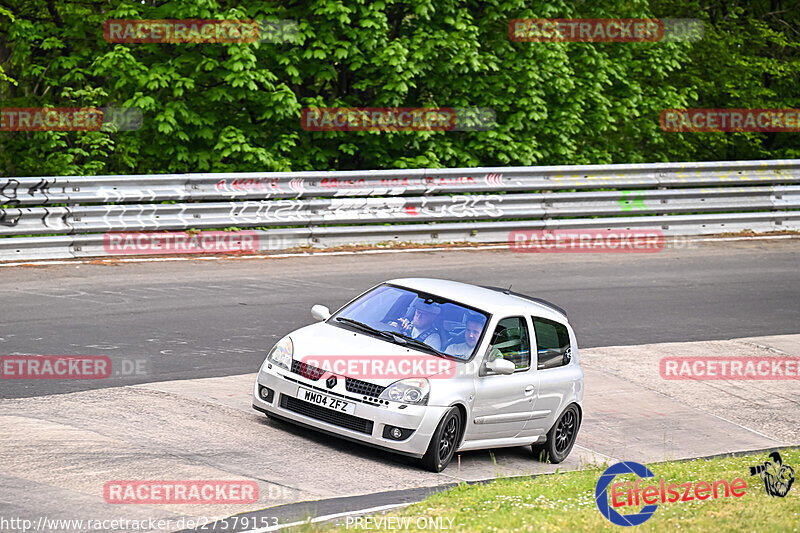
330 416
357 386
353 385
307 371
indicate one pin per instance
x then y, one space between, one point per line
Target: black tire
560 438
444 441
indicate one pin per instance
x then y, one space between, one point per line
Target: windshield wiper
365 327
416 343
397 338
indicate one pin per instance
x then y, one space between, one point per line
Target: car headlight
281 353
413 390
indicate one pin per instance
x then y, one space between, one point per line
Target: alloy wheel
565 431
448 441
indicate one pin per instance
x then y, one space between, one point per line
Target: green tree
236 107
749 57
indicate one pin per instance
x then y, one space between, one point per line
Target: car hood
325 342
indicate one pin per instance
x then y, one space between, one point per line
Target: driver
422 327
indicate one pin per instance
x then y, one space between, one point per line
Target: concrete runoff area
768 407
58 451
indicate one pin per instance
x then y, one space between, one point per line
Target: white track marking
329 517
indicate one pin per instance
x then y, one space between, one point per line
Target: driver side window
510 341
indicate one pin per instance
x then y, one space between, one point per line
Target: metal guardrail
430 205
273 185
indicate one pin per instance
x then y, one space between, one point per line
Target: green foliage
565 502
236 107
749 57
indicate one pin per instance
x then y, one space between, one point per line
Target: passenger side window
511 341
552 343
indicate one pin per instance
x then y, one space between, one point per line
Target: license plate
326 401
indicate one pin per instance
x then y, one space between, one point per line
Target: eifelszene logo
601 496
633 494
777 477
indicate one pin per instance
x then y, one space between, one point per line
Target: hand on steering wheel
403 324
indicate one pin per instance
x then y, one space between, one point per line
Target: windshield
441 324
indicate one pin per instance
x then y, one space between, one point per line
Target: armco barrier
420 205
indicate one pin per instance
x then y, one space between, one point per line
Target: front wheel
560 438
444 442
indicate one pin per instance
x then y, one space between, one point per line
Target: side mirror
501 366
320 312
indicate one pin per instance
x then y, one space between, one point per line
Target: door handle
529 390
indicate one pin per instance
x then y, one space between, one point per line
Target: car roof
492 299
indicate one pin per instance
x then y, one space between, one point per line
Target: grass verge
564 501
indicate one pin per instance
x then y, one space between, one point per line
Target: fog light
395 433
266 393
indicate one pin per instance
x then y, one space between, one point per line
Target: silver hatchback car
428 367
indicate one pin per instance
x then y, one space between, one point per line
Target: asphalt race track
193 319
192 334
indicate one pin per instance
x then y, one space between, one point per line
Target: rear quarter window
552 343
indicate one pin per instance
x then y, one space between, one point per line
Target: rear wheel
444 441
560 438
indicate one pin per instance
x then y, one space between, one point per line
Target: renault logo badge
331 382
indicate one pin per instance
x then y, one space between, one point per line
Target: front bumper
366 424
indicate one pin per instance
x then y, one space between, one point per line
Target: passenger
472 333
422 327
